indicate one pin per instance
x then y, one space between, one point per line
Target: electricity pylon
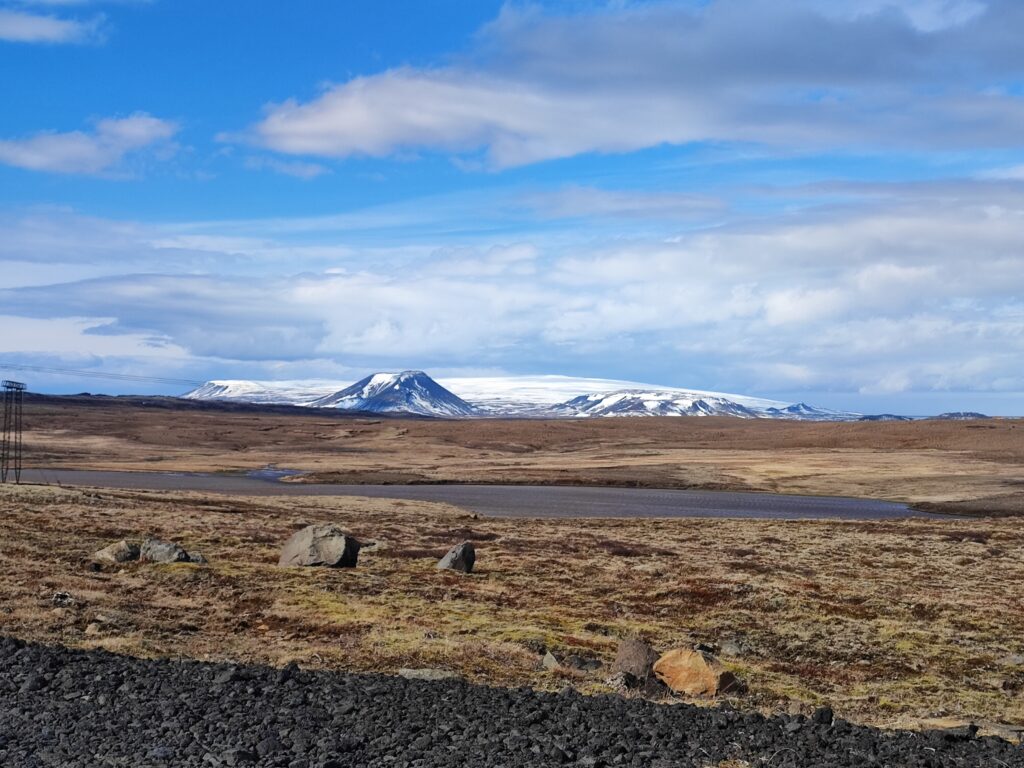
11 453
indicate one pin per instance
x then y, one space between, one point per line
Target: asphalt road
510 500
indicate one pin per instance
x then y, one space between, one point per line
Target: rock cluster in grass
692 672
151 550
328 546
76 708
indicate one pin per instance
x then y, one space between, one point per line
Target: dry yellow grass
891 622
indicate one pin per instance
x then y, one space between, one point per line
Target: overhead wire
99 374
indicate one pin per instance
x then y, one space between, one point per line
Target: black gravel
60 707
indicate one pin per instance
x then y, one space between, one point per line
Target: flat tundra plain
895 623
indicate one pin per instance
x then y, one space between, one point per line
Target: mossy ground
890 622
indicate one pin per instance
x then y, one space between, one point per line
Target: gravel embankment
60 707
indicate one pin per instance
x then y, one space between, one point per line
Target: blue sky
800 199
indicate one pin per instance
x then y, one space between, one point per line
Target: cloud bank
909 288
790 74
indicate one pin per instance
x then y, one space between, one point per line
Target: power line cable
100 374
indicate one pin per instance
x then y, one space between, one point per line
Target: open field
964 467
894 623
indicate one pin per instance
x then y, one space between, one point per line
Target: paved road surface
511 500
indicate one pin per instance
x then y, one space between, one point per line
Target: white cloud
298 169
926 15
1009 173
72 335
78 152
795 74
23 27
576 201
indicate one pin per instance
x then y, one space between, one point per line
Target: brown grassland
965 467
894 622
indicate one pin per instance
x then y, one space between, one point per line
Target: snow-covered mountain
264 392
647 403
510 397
405 392
805 412
541 395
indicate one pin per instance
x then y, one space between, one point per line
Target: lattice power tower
11 453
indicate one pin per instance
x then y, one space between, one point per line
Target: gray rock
461 558
288 672
33 683
161 753
234 757
549 662
158 551
733 647
635 658
119 552
268 746
427 674
960 732
229 675
622 682
582 663
320 545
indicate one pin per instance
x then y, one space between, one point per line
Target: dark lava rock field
61 707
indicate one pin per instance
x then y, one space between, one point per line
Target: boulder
550 662
461 558
694 673
635 658
158 551
320 545
118 552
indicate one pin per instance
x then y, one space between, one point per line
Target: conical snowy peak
406 392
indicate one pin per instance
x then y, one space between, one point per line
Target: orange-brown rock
694 673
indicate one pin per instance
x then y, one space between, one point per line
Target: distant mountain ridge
263 393
638 403
414 392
